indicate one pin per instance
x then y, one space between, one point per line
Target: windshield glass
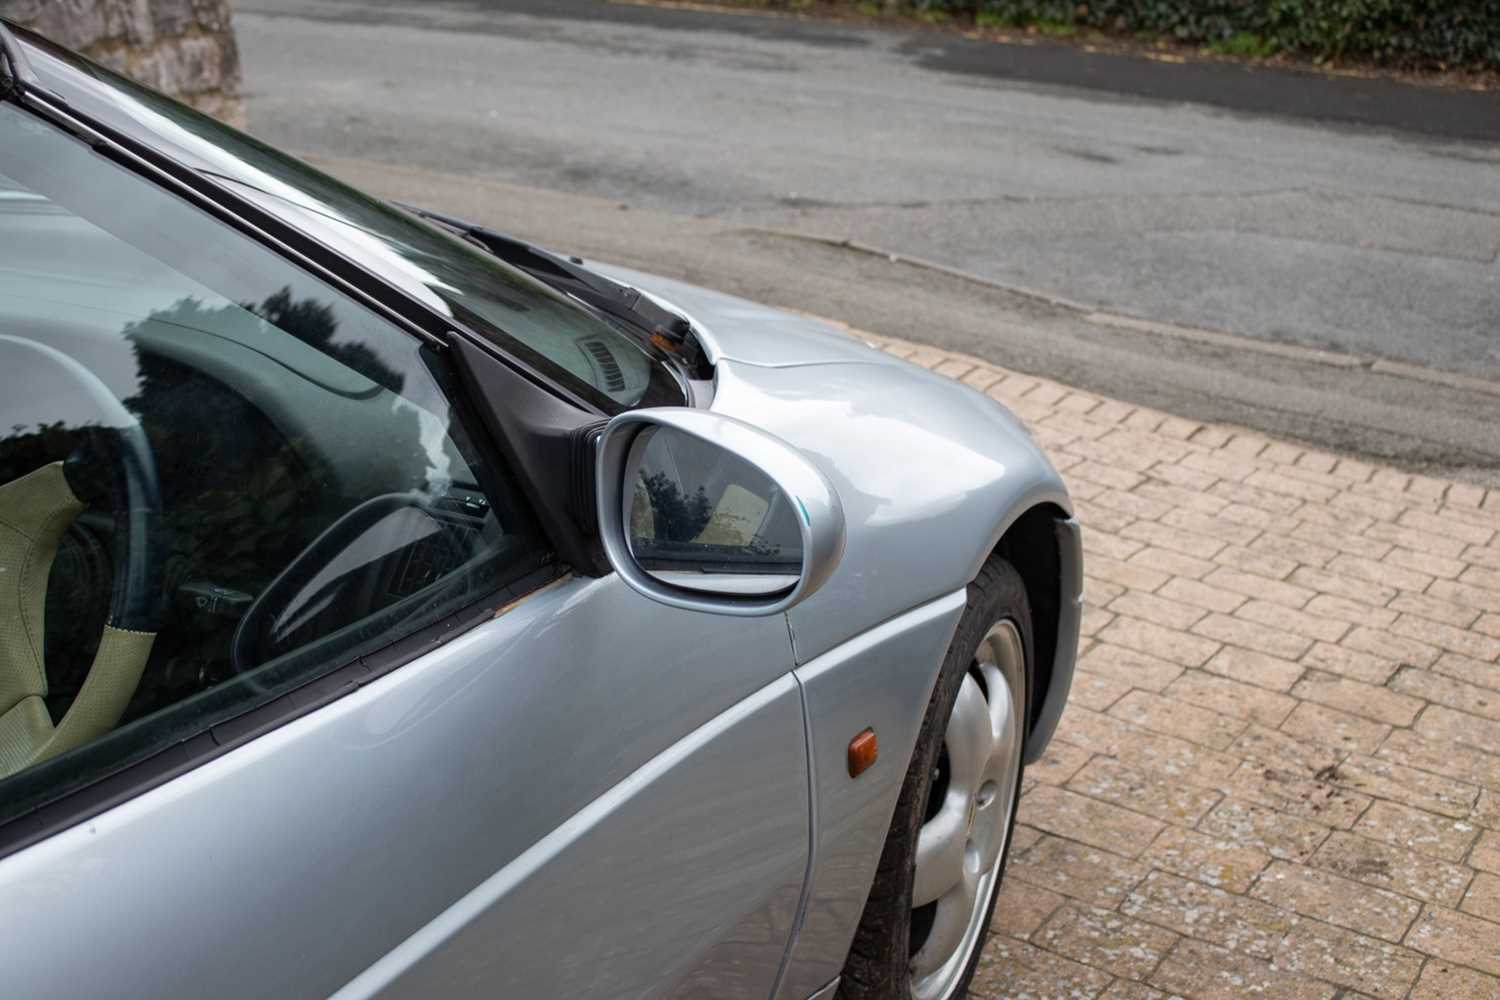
554 332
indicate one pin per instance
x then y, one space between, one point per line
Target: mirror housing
813 506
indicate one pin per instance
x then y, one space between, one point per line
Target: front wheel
929 907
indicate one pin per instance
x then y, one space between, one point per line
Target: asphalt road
1356 217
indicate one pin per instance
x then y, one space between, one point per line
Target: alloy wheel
968 816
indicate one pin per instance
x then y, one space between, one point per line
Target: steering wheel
113 469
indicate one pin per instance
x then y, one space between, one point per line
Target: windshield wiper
665 330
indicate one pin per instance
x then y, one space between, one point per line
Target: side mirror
701 511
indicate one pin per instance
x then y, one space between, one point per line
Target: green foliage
1412 34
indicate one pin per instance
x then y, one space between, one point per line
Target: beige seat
35 510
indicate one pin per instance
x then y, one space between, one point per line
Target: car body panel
930 475
880 680
583 912
290 865
736 329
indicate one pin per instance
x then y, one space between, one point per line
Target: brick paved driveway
1279 774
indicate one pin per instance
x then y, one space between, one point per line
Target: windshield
554 332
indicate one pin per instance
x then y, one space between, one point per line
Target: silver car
391 607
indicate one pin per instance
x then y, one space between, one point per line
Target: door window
219 477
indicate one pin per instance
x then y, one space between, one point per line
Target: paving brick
1176 539
1371 702
1336 900
1257 561
1095 690
1275 748
1384 574
1441 756
1077 871
1347 543
1350 663
1156 610
1328 725
1250 667
1134 668
1124 989
1279 505
1353 612
1176 565
1425 562
1468 595
1416 539
1132 789
1480 647
1252 635
1260 587
1215 861
1448 527
1105 940
1486 853
1264 829
1383 778
1444 690
1208 914
1186 497
1164 715
1089 821
1377 968
1022 908
1351 588
1163 643
1469 670
1397 869
1458 937
1010 968
1227 697
1290 486
1209 526
1205 972
1483 899
1487 811
1425 606
1202 595
1133 503
1486 574
1292 793
1101 544
1446 981
1181 475
1440 723
1104 475
1059 762
1093 620
1298 551
1292 621
1427 833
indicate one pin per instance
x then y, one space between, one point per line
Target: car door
375 738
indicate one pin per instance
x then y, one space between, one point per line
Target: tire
893 953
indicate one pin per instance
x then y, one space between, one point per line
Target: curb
1215 338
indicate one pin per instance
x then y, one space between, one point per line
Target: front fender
930 473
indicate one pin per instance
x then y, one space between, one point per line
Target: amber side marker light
863 750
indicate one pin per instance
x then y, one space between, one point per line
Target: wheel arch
1043 543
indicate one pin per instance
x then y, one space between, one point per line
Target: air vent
614 378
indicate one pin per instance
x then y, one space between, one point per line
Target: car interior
210 451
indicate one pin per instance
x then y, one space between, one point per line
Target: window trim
345 273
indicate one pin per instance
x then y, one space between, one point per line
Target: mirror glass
700 517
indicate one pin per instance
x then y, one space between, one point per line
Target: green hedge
1415 34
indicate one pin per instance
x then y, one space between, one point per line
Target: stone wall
184 48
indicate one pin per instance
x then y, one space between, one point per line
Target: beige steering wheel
35 510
